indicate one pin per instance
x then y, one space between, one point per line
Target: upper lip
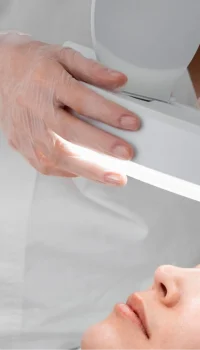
136 304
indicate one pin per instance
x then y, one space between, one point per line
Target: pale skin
41 89
166 316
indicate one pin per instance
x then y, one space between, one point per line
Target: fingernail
113 179
129 122
123 152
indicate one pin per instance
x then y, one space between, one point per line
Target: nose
167 285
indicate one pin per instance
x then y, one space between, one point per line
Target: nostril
163 289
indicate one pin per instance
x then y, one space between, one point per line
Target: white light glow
141 173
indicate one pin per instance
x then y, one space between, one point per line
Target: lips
135 303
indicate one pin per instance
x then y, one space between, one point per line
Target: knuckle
45 170
64 52
69 81
95 66
42 70
56 152
41 168
61 154
43 164
39 66
68 55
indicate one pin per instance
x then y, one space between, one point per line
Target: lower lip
125 311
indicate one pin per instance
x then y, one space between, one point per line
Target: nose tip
167 286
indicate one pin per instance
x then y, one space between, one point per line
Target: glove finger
76 131
71 158
71 93
43 166
90 71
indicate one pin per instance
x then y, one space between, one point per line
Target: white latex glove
39 87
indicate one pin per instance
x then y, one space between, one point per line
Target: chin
89 339
99 336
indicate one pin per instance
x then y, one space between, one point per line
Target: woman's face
167 316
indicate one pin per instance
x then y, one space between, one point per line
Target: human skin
41 90
166 316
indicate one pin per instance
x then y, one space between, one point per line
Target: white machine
163 191
152 42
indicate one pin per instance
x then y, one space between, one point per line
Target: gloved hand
39 87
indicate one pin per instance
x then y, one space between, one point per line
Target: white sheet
64 261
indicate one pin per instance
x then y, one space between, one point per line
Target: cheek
180 332
113 334
191 325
